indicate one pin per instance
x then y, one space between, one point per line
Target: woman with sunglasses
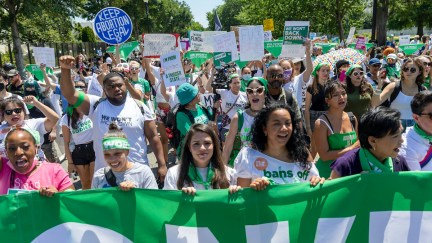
427 72
359 91
13 113
335 131
315 104
400 93
256 98
140 84
201 166
278 155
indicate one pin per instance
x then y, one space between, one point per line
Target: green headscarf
318 67
351 69
261 80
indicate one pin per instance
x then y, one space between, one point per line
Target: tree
196 26
87 35
227 13
408 14
381 21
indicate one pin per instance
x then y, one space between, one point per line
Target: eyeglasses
427 114
412 70
258 90
427 64
10 112
361 73
134 68
80 87
275 75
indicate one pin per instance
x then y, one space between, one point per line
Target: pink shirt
47 174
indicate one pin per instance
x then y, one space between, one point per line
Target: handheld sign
174 74
156 45
113 25
44 55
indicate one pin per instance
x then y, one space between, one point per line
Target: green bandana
115 143
422 133
81 97
371 164
196 177
318 67
427 82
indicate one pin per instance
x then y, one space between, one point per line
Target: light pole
147 14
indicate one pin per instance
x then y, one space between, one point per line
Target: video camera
222 74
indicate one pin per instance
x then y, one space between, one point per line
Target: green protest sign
198 58
221 58
295 32
326 46
391 207
411 48
125 49
37 72
274 47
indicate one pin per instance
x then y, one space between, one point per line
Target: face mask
246 76
342 75
287 74
35 162
2 86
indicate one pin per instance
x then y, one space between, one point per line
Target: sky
199 9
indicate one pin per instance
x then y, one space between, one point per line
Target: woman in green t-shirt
359 91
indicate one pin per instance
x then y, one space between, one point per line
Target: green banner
37 72
294 34
274 47
394 207
125 49
326 46
411 48
198 58
222 58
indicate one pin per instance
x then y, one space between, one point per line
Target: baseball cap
12 72
374 61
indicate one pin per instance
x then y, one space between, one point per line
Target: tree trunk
339 19
381 25
420 28
16 39
374 18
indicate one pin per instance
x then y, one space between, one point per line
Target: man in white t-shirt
132 116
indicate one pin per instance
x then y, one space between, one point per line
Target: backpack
395 93
173 133
139 104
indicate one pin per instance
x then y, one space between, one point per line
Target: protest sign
44 55
411 48
225 42
404 40
173 69
274 47
268 35
221 58
293 51
312 35
125 49
251 43
37 72
295 32
94 87
351 35
360 44
156 45
113 25
207 100
268 25
349 209
198 58
203 40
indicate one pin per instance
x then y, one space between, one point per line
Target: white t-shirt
129 117
139 174
37 124
253 164
229 99
414 149
245 132
300 87
173 173
84 132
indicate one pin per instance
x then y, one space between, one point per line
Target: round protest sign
113 25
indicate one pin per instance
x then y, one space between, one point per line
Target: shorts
161 115
83 154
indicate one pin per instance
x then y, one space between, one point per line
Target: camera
222 74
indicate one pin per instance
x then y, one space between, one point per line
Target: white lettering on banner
270 232
158 44
44 55
189 234
113 25
333 229
251 40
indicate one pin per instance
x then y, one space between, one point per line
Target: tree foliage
228 14
410 13
87 35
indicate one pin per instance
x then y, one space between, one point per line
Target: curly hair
296 145
419 63
219 181
365 87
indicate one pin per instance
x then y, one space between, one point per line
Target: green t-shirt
145 86
358 104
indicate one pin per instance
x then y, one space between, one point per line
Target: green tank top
336 141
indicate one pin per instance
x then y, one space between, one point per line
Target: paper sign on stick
226 43
295 32
174 74
44 55
113 25
251 43
268 25
156 45
404 40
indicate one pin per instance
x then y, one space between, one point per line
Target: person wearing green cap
242 121
359 90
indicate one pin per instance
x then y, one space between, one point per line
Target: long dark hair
365 87
219 181
296 145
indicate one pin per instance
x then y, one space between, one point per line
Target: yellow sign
268 25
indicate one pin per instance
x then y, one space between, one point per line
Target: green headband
351 69
33 133
318 67
81 97
115 143
235 75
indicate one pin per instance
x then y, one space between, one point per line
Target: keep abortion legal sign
113 25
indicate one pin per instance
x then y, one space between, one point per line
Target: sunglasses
361 73
427 64
10 112
376 65
134 68
427 114
274 75
80 87
258 90
412 70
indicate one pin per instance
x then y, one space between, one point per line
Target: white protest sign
173 69
293 51
251 40
94 87
404 40
207 100
203 41
196 40
44 55
226 42
268 35
351 35
156 45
